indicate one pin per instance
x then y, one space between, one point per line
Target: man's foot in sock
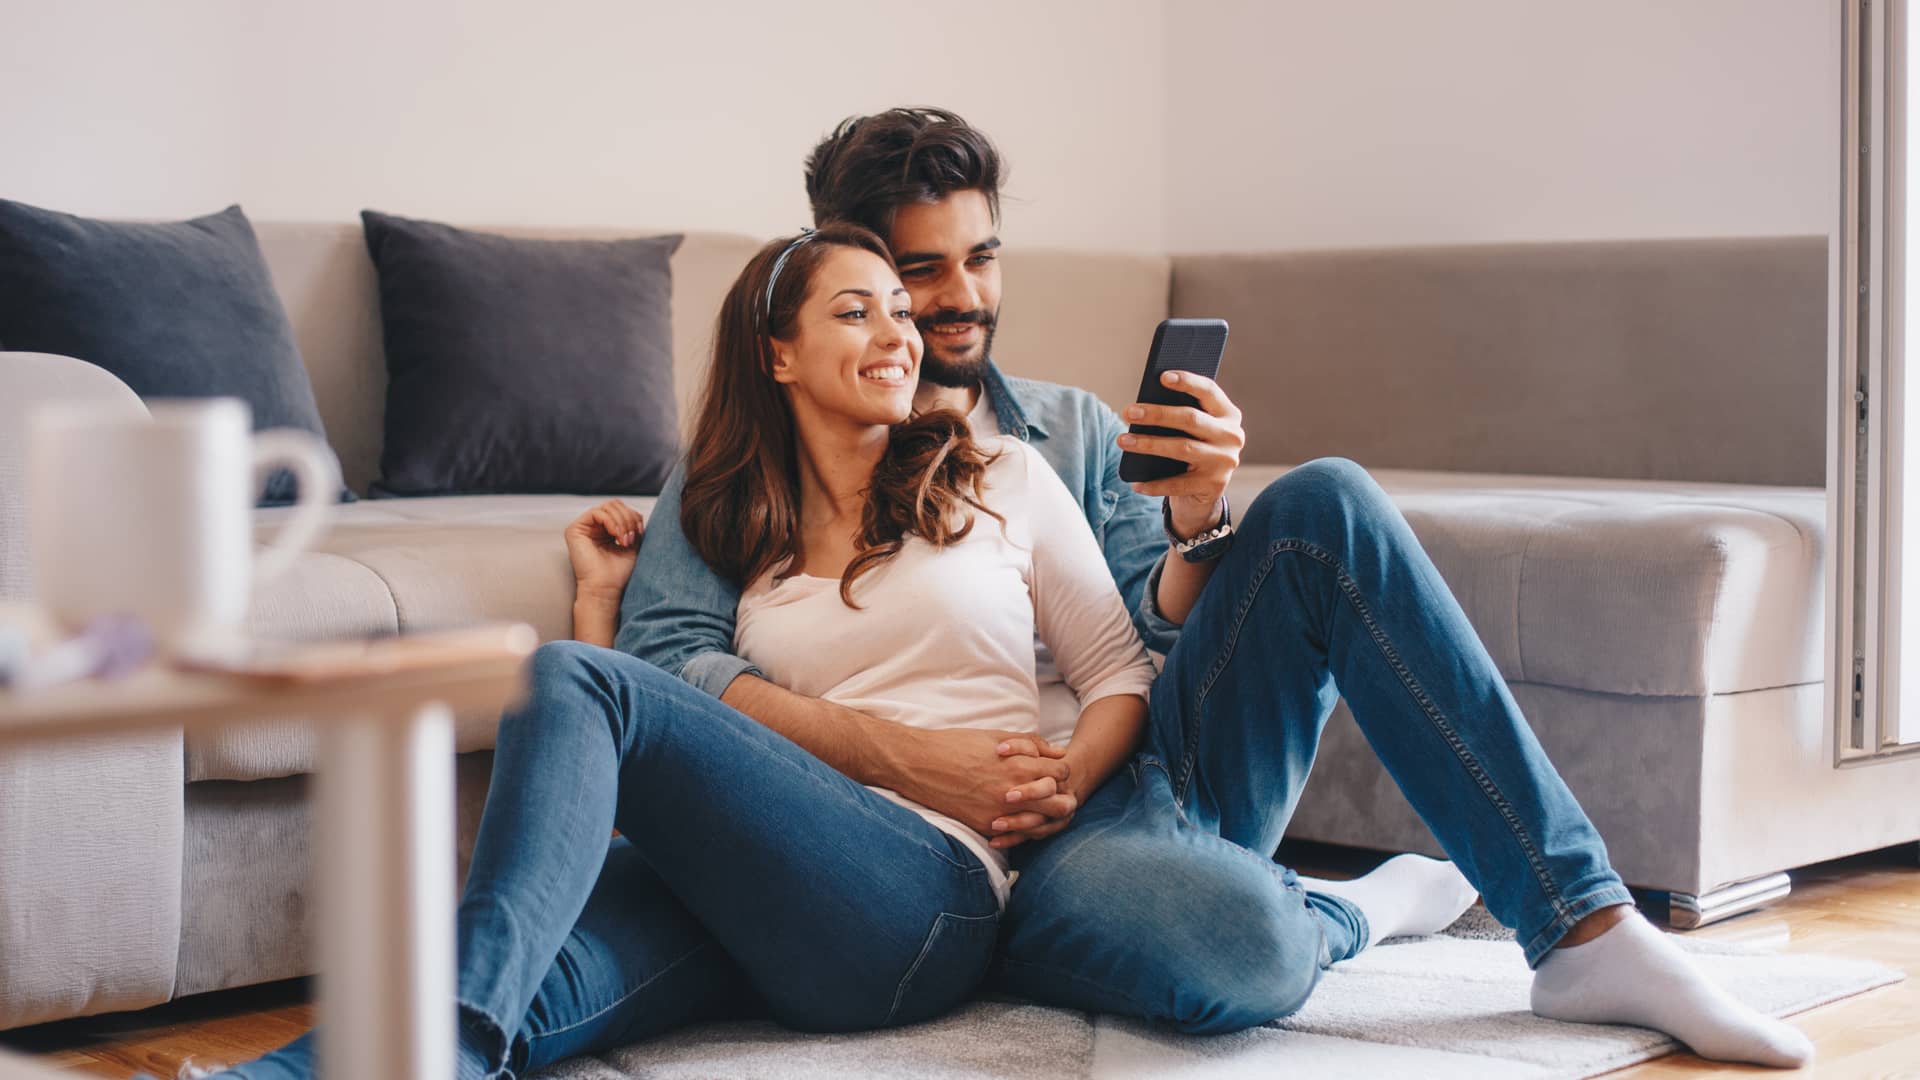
1634 974
1406 895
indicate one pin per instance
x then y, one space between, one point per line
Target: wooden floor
1866 906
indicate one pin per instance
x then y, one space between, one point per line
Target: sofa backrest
1079 318
1661 359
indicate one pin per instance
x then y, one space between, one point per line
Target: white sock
1407 894
1634 974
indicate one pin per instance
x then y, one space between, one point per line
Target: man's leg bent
1131 910
1327 593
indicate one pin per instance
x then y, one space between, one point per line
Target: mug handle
317 473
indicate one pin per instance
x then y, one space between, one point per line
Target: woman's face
855 353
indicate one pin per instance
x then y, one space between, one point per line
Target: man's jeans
1161 901
750 879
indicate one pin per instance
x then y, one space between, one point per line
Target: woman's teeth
885 374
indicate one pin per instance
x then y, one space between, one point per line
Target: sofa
1614 452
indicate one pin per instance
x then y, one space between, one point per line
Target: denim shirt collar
1006 408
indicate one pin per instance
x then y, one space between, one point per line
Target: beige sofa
1613 453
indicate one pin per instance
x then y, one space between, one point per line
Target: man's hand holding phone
1210 443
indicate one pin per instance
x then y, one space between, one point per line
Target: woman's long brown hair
740 508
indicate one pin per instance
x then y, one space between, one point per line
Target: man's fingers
1178 417
1184 484
1204 390
1167 446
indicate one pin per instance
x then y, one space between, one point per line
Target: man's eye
916 271
980 260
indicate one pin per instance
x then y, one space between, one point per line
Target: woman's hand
961 773
602 545
1041 809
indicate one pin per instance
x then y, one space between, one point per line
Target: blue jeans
1160 900
749 879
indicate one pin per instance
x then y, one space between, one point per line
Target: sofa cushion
405 565
1623 586
518 365
174 309
1612 586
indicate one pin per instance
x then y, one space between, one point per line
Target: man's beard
941 367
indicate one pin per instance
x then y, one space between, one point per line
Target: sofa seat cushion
406 565
1615 586
1623 586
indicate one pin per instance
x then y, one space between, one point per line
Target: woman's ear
783 362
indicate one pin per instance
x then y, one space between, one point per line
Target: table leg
383 880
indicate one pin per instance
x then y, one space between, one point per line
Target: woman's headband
780 264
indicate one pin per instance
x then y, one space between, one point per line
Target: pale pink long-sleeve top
944 637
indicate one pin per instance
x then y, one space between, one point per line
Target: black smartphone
1194 345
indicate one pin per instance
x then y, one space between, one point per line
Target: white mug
151 516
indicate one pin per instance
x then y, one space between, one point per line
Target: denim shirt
678 613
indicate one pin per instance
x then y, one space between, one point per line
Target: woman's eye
903 314
856 313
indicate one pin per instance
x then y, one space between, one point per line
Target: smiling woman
808 404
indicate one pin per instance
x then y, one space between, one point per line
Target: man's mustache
956 318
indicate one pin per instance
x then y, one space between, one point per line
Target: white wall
1309 124
1138 124
689 115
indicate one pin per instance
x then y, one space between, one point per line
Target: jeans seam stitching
926 948
1351 591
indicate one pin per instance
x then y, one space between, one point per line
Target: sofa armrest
90 830
28 380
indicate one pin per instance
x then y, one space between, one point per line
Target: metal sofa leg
1686 911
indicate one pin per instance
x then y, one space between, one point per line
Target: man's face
950 266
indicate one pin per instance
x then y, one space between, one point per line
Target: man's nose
960 294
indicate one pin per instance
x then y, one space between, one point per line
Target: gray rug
1453 1005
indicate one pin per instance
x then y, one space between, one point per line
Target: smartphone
1194 345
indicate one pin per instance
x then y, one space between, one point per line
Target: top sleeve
677 613
1076 606
1132 538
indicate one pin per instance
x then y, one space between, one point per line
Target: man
1146 886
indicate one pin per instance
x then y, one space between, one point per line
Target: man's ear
783 362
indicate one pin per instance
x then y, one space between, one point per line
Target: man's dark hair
873 165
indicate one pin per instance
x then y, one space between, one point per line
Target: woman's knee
571 682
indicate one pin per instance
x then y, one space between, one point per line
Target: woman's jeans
749 879
1161 901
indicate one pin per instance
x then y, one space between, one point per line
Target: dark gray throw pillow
173 309
517 365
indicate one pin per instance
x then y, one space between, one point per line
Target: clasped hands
1009 786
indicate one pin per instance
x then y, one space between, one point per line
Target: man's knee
1208 941
1324 498
1249 956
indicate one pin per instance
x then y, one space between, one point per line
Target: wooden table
383 811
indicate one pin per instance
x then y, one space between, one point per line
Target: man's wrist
1190 521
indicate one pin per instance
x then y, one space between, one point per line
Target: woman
882 554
